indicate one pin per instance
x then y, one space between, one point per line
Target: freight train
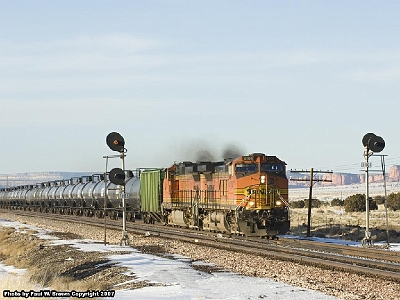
247 195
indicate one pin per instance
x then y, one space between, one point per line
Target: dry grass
18 283
13 247
334 222
57 267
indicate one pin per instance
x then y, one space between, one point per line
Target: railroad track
364 261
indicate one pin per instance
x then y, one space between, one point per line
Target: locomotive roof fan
115 141
373 142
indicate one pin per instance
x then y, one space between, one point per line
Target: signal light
115 141
117 176
373 142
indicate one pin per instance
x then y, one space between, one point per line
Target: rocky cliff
337 178
9 180
346 178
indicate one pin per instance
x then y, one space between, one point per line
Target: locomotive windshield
246 168
272 168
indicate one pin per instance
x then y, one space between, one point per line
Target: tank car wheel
130 217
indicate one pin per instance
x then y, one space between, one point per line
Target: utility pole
312 181
384 185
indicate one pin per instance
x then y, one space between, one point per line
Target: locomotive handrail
243 200
283 200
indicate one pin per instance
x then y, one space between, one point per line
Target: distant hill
346 178
37 177
337 178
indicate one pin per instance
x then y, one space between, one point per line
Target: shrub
314 203
357 203
297 204
379 199
337 202
393 201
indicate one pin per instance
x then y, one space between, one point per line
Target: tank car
79 196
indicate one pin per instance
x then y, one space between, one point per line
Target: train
246 195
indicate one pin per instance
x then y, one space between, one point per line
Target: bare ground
62 267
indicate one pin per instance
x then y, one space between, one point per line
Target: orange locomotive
246 195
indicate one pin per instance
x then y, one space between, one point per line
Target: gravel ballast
340 284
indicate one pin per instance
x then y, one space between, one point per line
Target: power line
312 180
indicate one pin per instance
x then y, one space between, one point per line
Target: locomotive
247 195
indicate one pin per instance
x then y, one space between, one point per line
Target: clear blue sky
302 80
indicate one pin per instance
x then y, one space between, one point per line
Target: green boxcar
151 188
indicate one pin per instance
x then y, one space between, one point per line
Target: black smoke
204 155
197 150
232 151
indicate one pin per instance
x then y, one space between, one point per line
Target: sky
302 80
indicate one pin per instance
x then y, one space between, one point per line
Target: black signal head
115 141
373 142
376 144
366 138
117 176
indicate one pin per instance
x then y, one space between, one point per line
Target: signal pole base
125 239
367 241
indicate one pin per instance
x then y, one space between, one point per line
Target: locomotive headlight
251 203
278 202
263 177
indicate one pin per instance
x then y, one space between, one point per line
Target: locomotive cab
261 194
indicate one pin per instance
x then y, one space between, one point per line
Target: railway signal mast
117 176
372 144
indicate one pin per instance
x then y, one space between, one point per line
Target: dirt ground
327 221
61 267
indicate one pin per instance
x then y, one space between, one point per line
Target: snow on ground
6 270
174 278
393 246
